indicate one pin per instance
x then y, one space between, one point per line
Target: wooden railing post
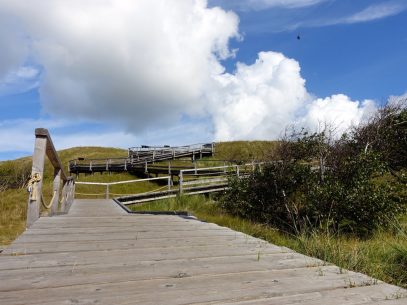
180 181
35 197
56 186
44 146
64 196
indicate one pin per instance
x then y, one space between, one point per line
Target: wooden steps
99 254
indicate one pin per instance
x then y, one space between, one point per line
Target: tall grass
382 256
245 151
13 206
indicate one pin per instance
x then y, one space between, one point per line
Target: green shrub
293 194
270 195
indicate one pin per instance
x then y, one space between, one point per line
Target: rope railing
107 186
61 201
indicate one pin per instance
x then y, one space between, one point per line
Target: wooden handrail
51 152
45 147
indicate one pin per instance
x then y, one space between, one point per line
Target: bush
270 195
323 182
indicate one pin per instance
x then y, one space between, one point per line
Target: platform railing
61 201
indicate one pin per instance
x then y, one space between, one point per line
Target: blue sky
126 73
365 59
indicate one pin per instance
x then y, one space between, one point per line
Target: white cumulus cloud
149 64
339 111
258 99
140 62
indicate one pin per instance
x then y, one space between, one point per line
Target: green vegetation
383 255
245 151
358 186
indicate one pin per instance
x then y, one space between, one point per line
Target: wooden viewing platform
140 159
99 254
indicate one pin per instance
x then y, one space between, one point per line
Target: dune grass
245 151
13 205
382 256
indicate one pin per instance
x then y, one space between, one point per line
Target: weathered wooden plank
120 271
155 244
108 257
124 236
194 289
374 294
20 260
126 229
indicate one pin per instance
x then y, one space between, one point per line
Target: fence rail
195 181
109 184
61 201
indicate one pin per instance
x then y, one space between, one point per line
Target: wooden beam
51 152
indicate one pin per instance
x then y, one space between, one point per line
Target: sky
177 72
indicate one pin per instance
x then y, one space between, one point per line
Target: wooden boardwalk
99 254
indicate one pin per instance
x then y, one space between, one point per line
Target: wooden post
64 196
237 170
70 194
169 183
34 201
196 172
44 146
145 167
169 168
56 186
107 191
180 180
